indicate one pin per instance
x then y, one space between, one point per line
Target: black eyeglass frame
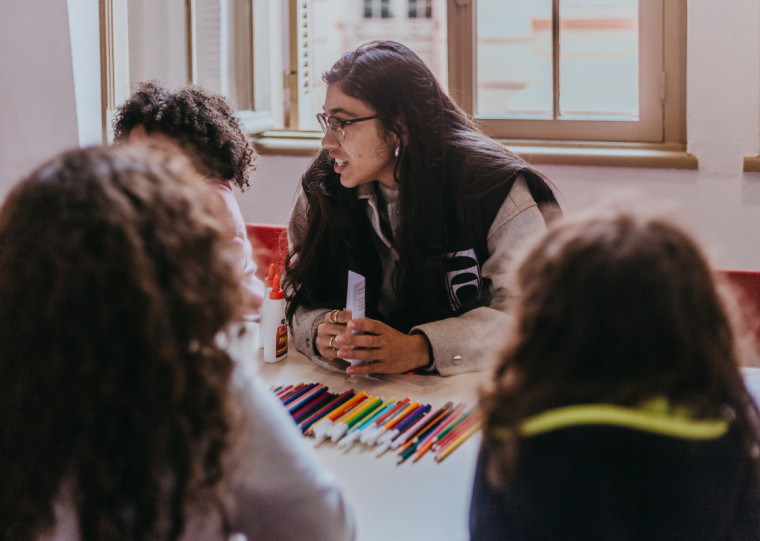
325 123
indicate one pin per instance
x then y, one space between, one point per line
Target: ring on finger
334 317
332 346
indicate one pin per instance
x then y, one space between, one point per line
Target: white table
422 500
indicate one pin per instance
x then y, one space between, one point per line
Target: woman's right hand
333 325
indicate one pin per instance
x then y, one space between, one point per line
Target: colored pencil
386 429
459 429
447 431
322 400
457 442
327 409
425 444
374 431
387 440
340 430
305 389
283 390
306 398
356 431
322 428
422 425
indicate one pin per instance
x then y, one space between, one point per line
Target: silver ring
332 318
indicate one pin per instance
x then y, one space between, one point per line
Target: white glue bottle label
274 331
265 308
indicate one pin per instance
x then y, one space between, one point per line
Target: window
207 42
596 70
541 73
335 31
377 9
420 9
536 72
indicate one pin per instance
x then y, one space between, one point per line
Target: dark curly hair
114 282
618 309
204 124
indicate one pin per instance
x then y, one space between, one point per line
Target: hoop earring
397 151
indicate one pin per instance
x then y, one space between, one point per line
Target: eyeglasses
338 127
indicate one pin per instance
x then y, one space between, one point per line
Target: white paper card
355 301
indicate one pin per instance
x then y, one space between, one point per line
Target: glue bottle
274 330
265 303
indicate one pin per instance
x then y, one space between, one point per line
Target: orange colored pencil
343 407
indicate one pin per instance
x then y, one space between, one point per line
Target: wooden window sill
668 155
752 163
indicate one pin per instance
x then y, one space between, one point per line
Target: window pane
514 58
157 41
599 59
340 26
239 73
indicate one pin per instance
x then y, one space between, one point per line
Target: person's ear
401 129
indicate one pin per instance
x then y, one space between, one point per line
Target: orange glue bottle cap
270 275
276 294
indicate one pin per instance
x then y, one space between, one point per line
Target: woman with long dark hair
618 410
121 416
409 194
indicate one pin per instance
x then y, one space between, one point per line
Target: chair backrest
747 284
270 245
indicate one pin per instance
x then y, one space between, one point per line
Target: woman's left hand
383 349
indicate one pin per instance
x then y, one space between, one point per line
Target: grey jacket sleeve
277 488
305 321
473 340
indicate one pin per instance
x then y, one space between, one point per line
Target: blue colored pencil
345 397
305 389
306 398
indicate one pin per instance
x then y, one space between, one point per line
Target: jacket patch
463 279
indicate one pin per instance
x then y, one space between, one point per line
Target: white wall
718 202
37 103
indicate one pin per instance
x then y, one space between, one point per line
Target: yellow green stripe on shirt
655 416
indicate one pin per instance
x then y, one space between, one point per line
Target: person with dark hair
618 410
409 194
121 417
205 126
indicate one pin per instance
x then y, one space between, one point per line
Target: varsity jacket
470 337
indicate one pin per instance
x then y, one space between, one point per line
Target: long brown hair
114 282
616 309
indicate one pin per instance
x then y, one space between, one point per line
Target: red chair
747 285
270 245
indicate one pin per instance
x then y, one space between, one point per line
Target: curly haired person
121 417
205 126
619 410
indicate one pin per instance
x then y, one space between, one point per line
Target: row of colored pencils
407 427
